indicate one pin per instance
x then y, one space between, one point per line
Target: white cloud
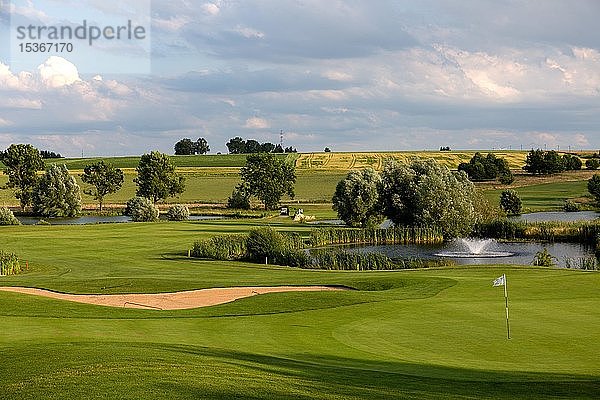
57 72
257 123
210 8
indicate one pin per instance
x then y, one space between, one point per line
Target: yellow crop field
376 160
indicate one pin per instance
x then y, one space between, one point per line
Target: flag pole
506 305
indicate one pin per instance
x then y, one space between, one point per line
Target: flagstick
506 305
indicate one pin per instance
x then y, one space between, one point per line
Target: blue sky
350 75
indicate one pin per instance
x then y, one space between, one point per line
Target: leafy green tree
592 163
425 193
544 162
571 162
252 146
185 147
268 178
511 202
7 217
481 168
594 186
356 198
156 177
237 145
57 193
201 146
22 162
104 178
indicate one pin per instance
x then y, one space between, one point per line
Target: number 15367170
36 47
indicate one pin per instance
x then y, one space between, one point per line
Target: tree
425 193
327 150
291 150
237 145
510 202
156 177
267 148
278 149
57 193
481 168
201 146
252 146
240 197
356 198
544 162
105 179
49 154
268 178
571 162
185 147
592 163
22 162
594 186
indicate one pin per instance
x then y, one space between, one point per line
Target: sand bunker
169 301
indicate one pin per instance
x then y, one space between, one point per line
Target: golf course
95 314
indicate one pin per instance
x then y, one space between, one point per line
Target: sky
349 75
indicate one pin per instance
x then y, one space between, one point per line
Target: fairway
423 334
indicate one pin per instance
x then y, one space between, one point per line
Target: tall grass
9 264
336 259
586 232
374 236
225 247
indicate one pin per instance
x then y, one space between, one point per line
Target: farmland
211 178
416 334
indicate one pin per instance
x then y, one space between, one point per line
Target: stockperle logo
99 37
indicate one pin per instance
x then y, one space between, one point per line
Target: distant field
546 196
376 160
201 161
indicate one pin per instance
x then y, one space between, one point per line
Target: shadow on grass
151 370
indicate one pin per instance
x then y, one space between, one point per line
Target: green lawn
425 334
547 196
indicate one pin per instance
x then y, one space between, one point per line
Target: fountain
475 248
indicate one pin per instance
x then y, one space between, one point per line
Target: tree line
236 145
56 193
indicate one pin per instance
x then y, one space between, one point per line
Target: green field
425 334
547 196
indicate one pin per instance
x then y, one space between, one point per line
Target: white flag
499 281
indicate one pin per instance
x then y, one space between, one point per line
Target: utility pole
281 138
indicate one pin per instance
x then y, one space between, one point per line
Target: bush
268 243
141 209
9 264
178 212
594 186
7 217
571 206
511 202
592 163
506 178
240 198
544 259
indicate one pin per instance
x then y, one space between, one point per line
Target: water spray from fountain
475 248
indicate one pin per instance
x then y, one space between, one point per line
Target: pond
101 219
558 216
520 253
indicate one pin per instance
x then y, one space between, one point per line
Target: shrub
275 247
571 206
544 259
178 212
594 186
7 217
506 178
240 198
511 202
9 264
141 209
592 163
